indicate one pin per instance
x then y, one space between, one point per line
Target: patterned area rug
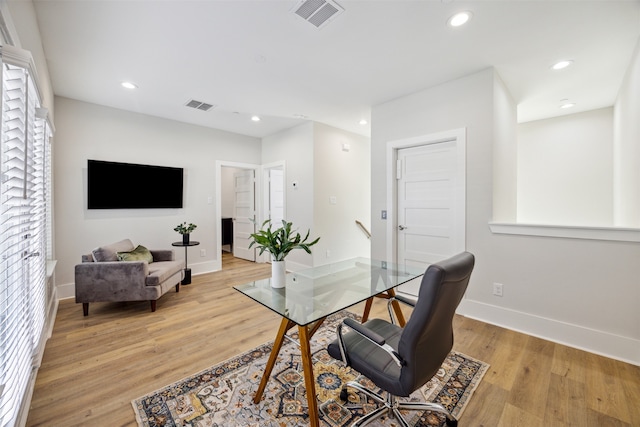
222 395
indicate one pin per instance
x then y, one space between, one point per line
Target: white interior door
244 214
276 196
427 204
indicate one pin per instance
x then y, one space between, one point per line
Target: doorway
246 195
236 209
244 213
427 219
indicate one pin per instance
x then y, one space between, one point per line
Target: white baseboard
67 290
291 266
296 266
205 267
603 343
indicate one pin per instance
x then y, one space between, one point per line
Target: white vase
278 271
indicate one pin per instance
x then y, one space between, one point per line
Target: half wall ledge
615 234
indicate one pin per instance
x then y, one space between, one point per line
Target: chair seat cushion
368 359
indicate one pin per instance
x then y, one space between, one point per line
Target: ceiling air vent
199 105
318 12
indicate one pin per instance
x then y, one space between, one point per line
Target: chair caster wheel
451 423
344 394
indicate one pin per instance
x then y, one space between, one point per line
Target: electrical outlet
203 252
328 253
497 289
383 215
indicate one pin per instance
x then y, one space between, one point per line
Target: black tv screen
114 185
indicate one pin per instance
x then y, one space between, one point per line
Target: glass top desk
313 294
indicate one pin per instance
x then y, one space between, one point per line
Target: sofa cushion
161 271
109 252
140 253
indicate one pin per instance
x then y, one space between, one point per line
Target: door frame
460 137
218 197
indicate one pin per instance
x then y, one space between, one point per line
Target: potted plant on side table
279 243
185 229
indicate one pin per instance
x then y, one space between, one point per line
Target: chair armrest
163 254
364 331
370 335
406 300
115 274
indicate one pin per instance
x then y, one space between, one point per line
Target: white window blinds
23 225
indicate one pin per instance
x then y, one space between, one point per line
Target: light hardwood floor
94 366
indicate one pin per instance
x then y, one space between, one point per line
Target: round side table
187 270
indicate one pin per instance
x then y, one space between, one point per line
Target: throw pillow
140 253
109 252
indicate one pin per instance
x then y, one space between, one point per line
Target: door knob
401 227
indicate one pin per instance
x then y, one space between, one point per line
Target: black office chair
401 360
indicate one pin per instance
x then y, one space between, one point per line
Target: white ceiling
257 57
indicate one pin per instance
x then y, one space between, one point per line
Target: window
23 230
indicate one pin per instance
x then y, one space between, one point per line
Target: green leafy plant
281 241
185 228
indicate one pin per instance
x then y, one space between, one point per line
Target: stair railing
364 229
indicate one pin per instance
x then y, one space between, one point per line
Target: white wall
565 170
20 17
627 147
343 177
465 103
580 292
88 131
295 147
314 160
505 170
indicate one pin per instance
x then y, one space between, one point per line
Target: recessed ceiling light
363 122
255 118
459 19
566 104
561 65
129 85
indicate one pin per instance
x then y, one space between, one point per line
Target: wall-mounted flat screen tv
114 185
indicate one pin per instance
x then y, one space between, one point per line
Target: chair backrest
427 337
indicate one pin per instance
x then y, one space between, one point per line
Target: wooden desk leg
285 325
397 309
309 381
367 309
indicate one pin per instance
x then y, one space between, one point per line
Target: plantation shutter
23 231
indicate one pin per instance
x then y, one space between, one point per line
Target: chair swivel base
392 406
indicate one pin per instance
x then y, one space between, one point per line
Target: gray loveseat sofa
122 272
